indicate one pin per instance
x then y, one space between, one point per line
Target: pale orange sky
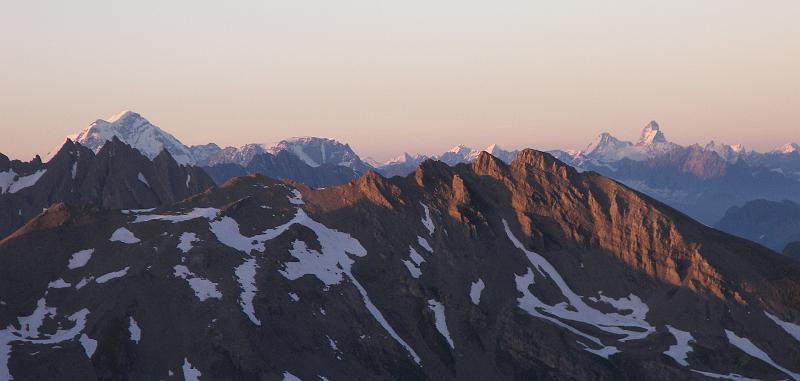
417 76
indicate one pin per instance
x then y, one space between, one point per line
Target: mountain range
483 270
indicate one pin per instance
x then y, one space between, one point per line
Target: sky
411 75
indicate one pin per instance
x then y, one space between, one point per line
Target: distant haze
417 76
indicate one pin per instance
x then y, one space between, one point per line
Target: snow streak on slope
631 326
441 323
331 265
680 351
11 183
790 328
427 221
751 349
203 288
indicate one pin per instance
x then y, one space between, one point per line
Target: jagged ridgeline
487 270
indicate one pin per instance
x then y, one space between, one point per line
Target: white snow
332 344
290 377
208 213
74 170
141 178
329 265
575 309
58 283
134 130
189 372
475 291
125 236
412 269
295 297
112 275
424 243
751 349
6 179
382 321
415 257
790 328
8 183
136 332
297 198
89 345
83 282
441 323
203 288
604 352
680 351
29 332
186 240
80 259
246 275
427 221
188 179
730 376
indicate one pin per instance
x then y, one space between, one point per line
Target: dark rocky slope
117 177
771 223
479 271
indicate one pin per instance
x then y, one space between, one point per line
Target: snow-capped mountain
652 142
317 151
406 163
484 271
788 148
211 154
134 130
464 154
729 152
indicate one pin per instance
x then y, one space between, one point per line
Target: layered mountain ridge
116 177
484 270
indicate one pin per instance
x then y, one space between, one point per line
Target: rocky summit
481 271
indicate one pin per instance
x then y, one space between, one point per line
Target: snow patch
441 323
297 198
412 269
290 377
136 332
125 236
141 178
475 291
294 297
246 275
427 221
112 275
190 373
10 182
203 288
58 283
751 349
208 213
74 170
89 345
186 240
80 259
424 243
790 328
575 309
29 332
680 351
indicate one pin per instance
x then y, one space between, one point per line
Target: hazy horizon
413 76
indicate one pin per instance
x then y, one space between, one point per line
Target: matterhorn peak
651 134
